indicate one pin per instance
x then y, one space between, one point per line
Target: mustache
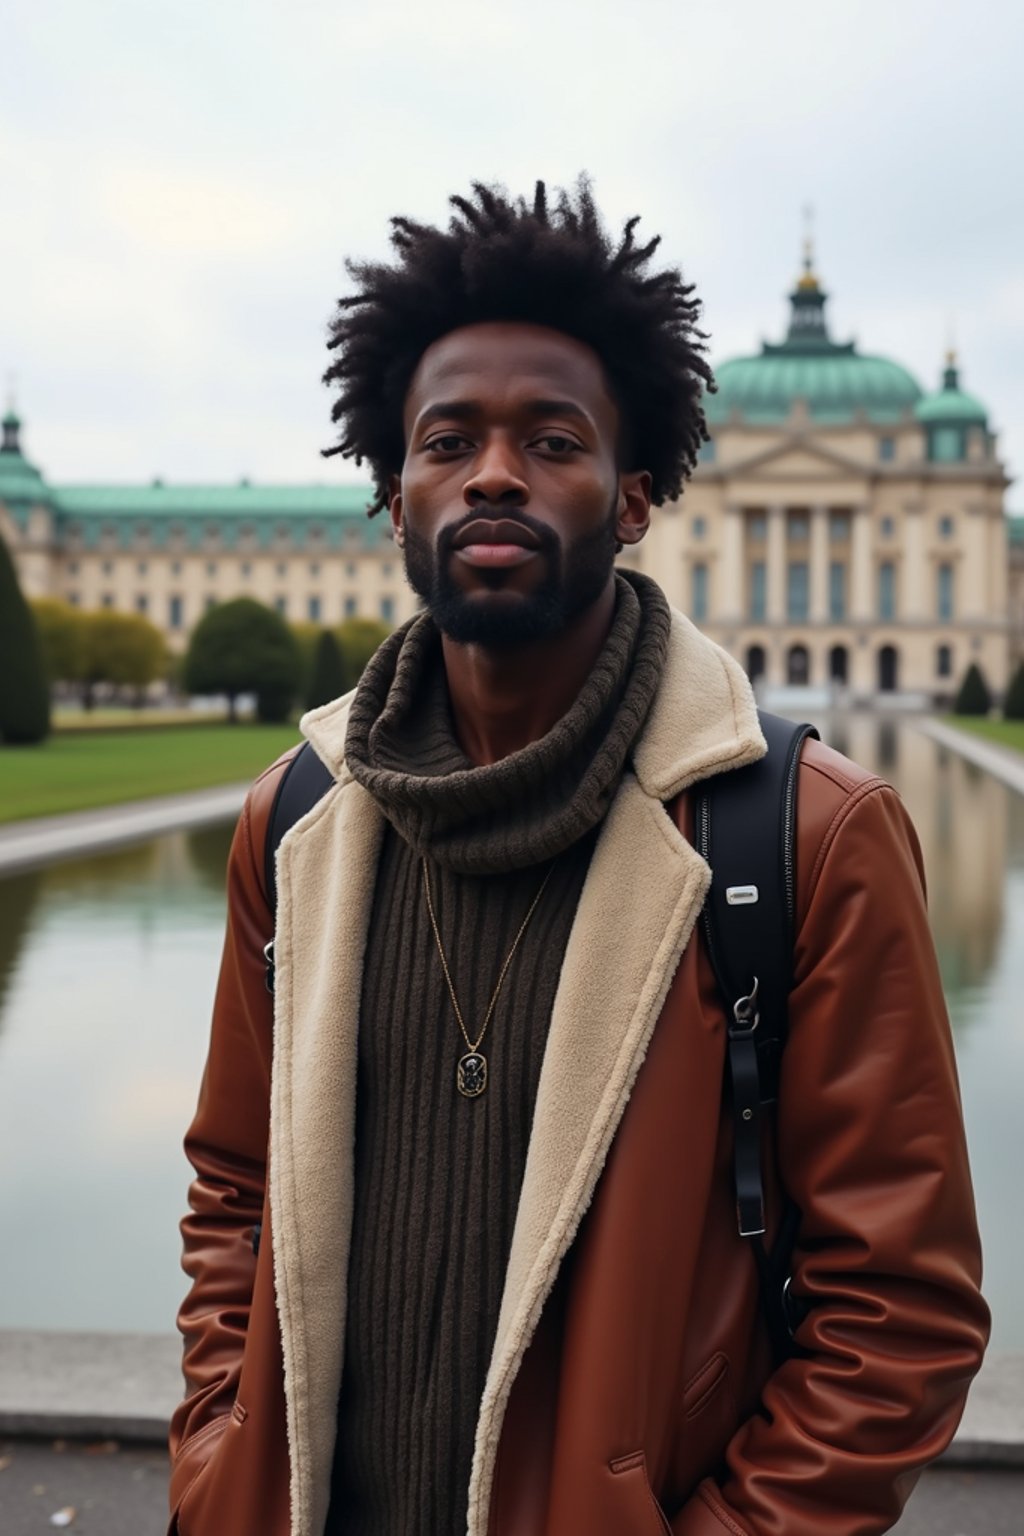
494 512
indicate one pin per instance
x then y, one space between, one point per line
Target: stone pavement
106 1489
49 838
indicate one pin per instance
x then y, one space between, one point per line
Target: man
483 1128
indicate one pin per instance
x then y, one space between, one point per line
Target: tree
1013 704
120 648
973 697
328 677
359 638
243 647
307 636
61 631
24 691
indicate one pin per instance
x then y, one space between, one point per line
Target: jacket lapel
326 868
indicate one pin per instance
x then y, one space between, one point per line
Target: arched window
798 666
944 661
839 664
755 662
888 669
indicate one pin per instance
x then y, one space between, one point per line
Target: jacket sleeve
871 1147
227 1147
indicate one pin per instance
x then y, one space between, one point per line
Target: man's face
510 502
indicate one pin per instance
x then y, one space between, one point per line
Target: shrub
243 647
120 648
1013 704
328 675
359 638
24 690
973 697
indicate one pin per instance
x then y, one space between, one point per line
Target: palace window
706 453
142 567
797 583
280 568
211 567
838 527
944 661
758 590
797 527
387 609
350 568
246 567
757 527
887 527
699 527
142 603
72 567
945 591
314 567
174 612
175 567
699 593
837 590
313 609
281 605
886 590
946 526
74 598
108 566
107 600
211 602
350 607
886 449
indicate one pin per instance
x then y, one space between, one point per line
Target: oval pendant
472 1075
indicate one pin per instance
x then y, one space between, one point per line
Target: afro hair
505 259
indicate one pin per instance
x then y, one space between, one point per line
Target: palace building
844 530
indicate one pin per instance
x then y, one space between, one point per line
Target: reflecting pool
107 971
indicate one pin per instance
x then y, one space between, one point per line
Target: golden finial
807 282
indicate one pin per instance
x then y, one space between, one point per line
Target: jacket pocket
647 1516
191 1465
708 1420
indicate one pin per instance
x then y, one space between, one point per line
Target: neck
502 701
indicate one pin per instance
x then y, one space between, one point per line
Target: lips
483 530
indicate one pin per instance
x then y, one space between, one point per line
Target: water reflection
963 821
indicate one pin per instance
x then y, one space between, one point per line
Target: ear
395 508
634 509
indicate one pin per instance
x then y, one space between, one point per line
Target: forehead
498 364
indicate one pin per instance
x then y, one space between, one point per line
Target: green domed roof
20 481
835 380
951 404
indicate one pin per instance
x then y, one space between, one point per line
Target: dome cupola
836 383
949 416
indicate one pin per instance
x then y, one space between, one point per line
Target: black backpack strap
305 781
746 830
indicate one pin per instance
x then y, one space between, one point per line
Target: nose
496 477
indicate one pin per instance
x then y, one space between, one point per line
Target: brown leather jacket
630 1390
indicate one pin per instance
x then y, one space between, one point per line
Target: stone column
776 559
861 587
819 565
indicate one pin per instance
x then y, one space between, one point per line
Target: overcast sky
180 182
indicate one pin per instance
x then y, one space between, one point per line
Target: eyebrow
465 410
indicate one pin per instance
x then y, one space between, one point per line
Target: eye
558 444
446 442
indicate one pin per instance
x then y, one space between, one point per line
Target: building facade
844 530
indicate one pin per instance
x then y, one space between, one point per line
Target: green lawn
78 770
1008 733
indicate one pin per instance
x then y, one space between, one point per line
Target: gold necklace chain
471 1077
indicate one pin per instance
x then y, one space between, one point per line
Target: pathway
48 838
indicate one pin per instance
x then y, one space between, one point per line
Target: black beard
574 580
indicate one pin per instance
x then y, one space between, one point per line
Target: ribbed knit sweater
437 1175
